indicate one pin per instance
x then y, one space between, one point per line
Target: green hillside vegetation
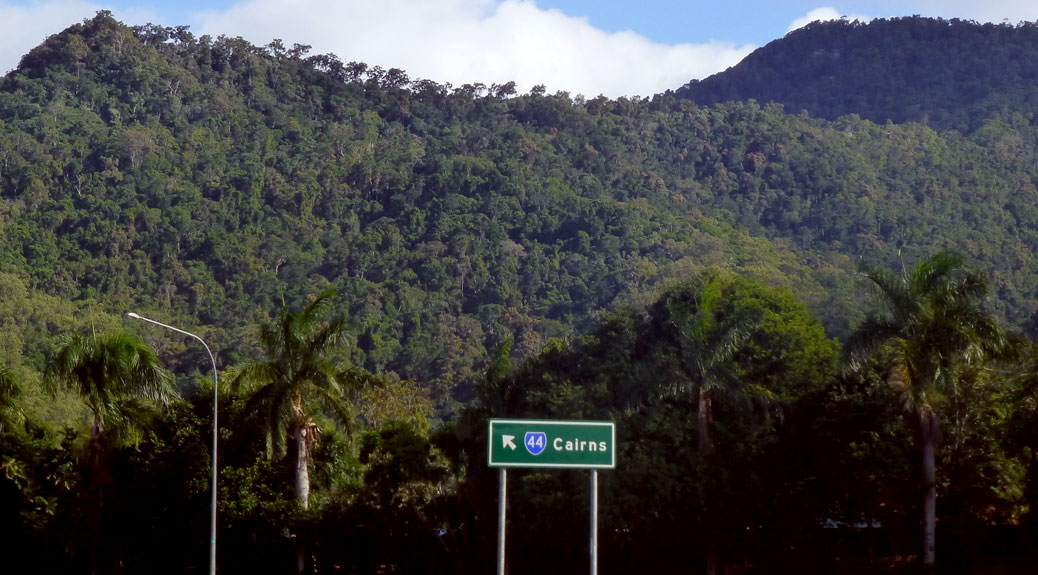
211 179
950 74
381 264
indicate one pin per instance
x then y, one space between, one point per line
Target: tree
112 373
706 341
1022 422
933 325
116 375
301 371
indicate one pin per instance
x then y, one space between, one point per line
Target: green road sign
547 443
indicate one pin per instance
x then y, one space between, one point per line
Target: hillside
208 180
697 275
951 74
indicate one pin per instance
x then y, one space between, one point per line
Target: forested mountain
950 74
406 260
209 179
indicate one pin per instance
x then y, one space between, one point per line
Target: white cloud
467 41
823 14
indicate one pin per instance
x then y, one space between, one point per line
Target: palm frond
870 336
135 416
278 415
894 291
328 338
936 273
299 369
340 408
252 375
933 324
319 307
105 369
9 387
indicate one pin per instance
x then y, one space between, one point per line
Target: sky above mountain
589 47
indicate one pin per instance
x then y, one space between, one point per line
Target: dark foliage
950 74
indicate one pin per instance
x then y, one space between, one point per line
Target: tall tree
707 341
116 375
302 371
112 373
932 325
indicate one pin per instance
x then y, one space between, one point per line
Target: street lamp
212 527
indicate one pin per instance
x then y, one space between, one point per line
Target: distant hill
950 74
209 180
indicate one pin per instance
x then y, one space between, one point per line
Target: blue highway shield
535 442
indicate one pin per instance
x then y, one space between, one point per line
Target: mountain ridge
211 180
951 74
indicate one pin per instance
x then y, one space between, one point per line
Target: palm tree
933 325
707 337
300 370
707 341
114 374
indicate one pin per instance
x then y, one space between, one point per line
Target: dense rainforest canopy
948 74
686 270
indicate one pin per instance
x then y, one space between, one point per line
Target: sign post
501 505
537 443
594 522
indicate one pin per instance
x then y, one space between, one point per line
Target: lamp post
212 527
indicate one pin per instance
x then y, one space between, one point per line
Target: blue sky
590 47
674 22
668 21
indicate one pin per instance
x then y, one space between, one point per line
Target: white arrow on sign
506 441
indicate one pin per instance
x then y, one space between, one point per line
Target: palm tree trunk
302 489
302 468
97 486
704 422
704 429
928 440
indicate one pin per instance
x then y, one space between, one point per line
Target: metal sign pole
503 476
594 522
